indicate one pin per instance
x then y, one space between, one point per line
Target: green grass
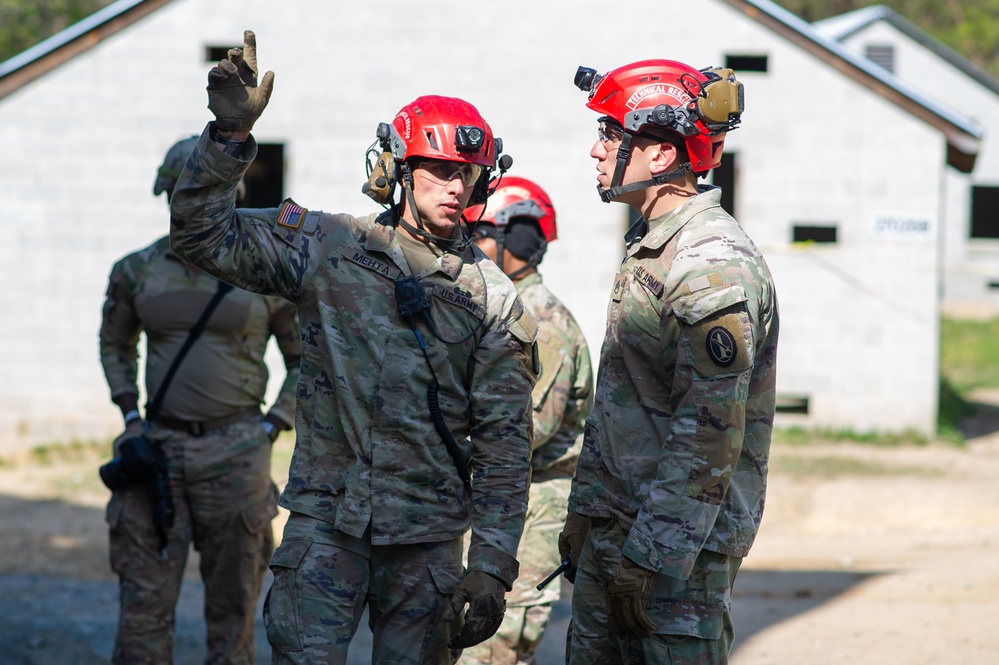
829 466
969 359
800 436
969 354
56 453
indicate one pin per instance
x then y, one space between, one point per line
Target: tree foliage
970 27
24 23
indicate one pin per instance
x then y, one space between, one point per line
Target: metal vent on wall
881 55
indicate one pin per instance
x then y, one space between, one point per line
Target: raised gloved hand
570 541
628 590
484 595
233 94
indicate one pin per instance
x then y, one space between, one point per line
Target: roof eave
62 47
963 134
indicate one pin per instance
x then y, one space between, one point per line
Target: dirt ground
867 555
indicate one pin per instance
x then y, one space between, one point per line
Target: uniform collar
527 282
382 238
664 227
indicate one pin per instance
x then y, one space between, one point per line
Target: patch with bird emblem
718 345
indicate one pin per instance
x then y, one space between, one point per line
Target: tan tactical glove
570 541
628 591
233 94
484 595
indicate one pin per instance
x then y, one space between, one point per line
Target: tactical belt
200 427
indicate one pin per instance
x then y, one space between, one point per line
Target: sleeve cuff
490 560
640 549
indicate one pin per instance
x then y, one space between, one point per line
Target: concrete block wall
79 149
970 264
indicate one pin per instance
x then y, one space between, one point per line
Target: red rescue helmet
656 95
517 197
432 127
448 128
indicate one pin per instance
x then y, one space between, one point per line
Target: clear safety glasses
610 135
442 171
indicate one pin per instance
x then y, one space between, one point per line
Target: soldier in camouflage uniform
418 364
514 229
669 489
216 444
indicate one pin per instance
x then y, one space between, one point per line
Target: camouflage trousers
224 501
323 580
527 609
693 616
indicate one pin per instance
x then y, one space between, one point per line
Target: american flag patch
291 215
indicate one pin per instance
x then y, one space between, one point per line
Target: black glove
233 94
570 541
484 595
628 590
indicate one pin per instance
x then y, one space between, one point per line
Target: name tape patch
371 263
457 296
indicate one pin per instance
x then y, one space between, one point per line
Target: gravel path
867 556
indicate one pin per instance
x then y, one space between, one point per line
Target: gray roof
963 134
77 38
70 34
844 26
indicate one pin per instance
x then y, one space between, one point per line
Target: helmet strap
444 243
616 189
532 262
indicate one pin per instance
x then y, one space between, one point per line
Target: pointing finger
250 49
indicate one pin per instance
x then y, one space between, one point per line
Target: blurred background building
856 176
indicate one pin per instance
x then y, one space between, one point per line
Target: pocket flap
445 576
290 553
685 617
693 307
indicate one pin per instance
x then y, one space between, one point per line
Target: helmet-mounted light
468 138
586 79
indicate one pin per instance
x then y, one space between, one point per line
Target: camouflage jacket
153 290
367 452
563 395
677 445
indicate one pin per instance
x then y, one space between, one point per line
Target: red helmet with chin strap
517 197
448 128
432 127
656 98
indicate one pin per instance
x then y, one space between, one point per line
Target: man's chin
442 228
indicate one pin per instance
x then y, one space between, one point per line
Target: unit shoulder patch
718 345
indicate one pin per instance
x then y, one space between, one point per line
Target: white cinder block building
971 214
840 171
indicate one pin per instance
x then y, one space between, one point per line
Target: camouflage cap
172 165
